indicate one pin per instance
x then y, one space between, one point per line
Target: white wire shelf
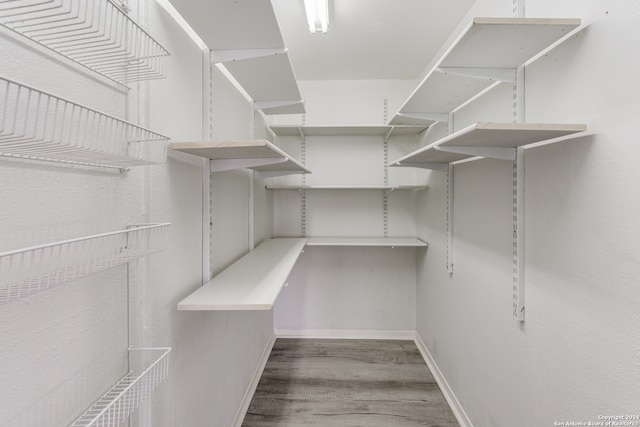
149 367
38 126
28 271
94 33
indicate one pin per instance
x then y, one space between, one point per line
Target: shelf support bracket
220 165
273 174
494 74
427 117
443 167
263 105
500 153
230 55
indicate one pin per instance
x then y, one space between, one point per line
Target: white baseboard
346 334
452 400
253 385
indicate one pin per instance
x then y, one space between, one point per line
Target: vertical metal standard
252 184
450 206
518 279
385 160
207 176
303 192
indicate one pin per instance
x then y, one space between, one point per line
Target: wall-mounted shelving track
150 366
27 271
257 154
488 51
39 126
96 34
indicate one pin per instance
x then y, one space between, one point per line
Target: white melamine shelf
251 283
357 130
245 37
27 271
346 187
366 241
35 125
494 140
256 154
149 367
488 51
96 34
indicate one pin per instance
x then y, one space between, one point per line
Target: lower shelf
150 367
366 241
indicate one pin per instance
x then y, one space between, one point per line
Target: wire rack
39 126
115 406
28 271
94 33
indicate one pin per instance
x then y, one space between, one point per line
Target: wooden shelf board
505 42
345 187
241 149
487 43
232 25
441 93
269 78
488 134
346 130
251 283
366 241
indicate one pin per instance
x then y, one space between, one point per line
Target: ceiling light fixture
317 15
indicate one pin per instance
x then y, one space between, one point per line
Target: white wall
62 348
348 289
575 356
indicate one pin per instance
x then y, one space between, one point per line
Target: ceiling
369 39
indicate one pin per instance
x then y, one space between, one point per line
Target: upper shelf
488 51
97 34
260 155
383 130
246 38
251 283
366 241
494 140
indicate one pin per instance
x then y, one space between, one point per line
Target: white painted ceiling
369 39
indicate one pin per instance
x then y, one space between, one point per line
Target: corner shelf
257 154
150 368
28 271
366 130
95 34
493 140
35 125
251 283
366 241
488 51
246 39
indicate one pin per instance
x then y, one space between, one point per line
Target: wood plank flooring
347 383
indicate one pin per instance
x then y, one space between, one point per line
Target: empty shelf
96 34
246 38
346 187
259 155
366 241
251 283
27 271
36 125
489 50
347 130
150 366
493 140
